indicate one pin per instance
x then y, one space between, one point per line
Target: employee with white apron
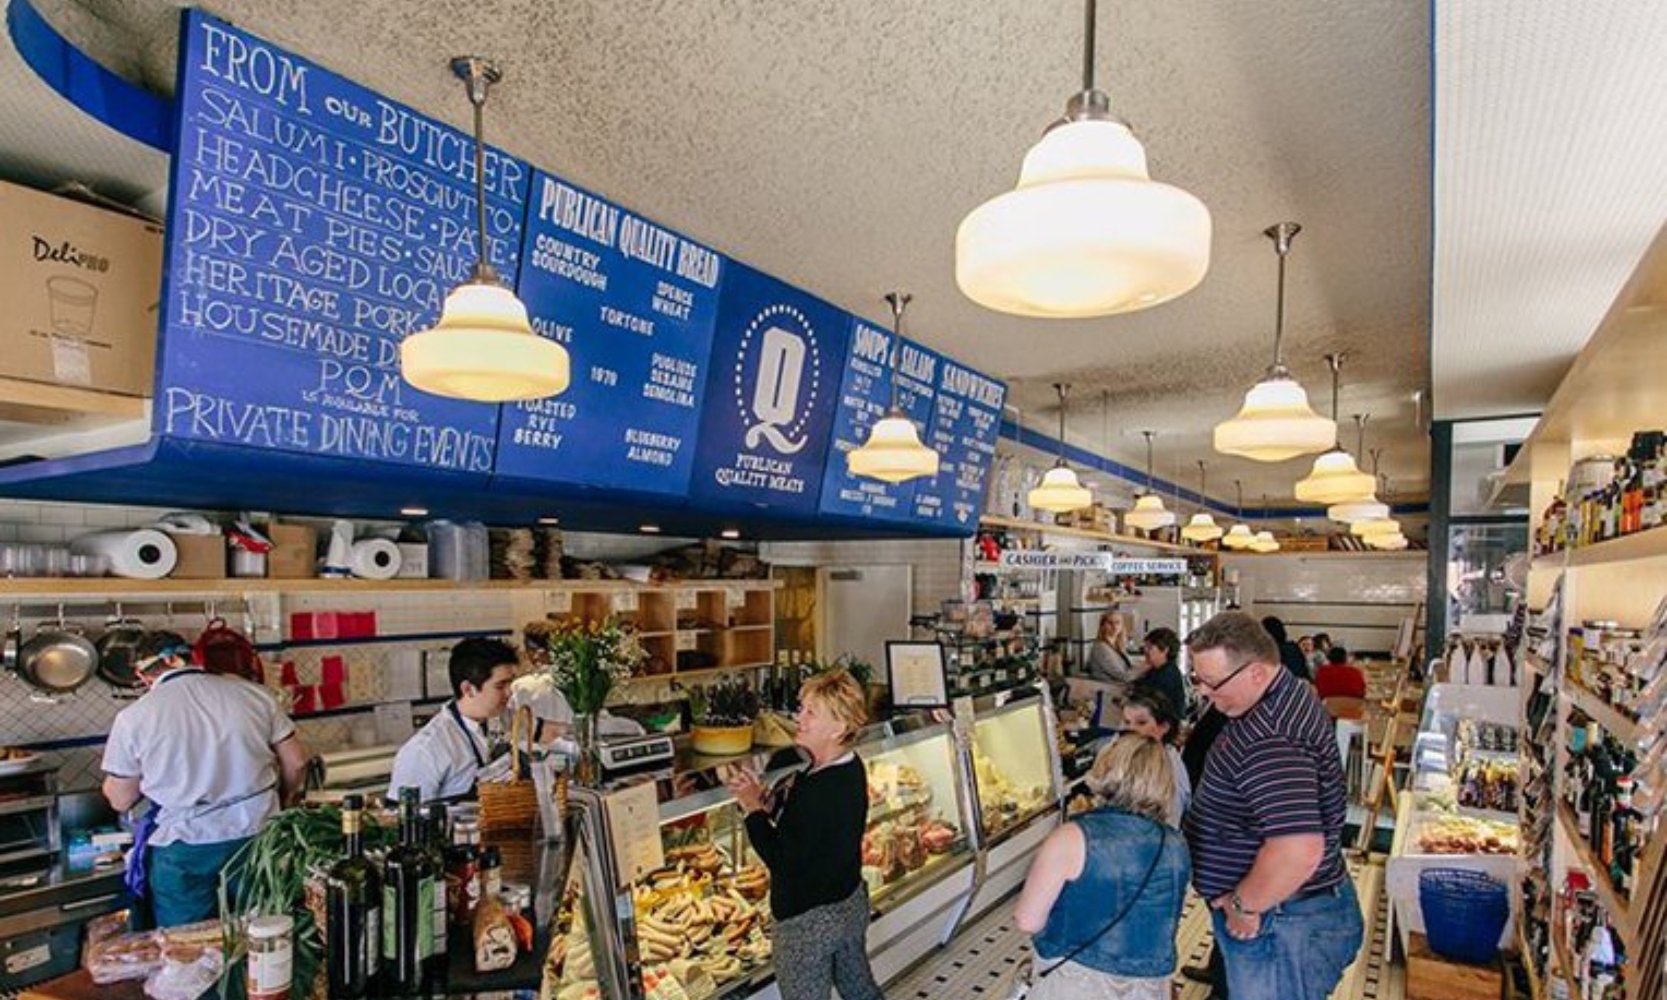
450 755
215 756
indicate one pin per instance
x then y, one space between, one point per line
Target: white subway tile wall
937 562
1359 600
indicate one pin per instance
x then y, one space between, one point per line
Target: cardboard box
294 554
81 287
201 557
1431 977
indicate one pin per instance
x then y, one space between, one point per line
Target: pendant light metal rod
1360 434
1061 388
1282 234
479 74
1336 363
1149 436
1202 497
899 301
1238 484
1089 9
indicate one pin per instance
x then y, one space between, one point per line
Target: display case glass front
915 816
571 967
1013 766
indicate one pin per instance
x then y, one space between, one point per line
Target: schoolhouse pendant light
1086 232
1202 527
1375 528
483 348
1149 513
1264 542
1395 542
1059 492
1371 508
1239 536
1335 478
1276 422
893 452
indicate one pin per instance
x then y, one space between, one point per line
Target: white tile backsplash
1359 600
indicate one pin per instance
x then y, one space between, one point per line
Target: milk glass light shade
1264 542
893 452
1335 479
1388 543
1086 232
1149 514
1238 537
1376 528
1275 423
1201 528
484 349
1060 492
1353 511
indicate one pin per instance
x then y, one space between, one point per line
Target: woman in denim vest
1104 894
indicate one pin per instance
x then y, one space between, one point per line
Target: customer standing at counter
1106 660
450 755
809 832
1162 671
1266 822
216 757
1104 895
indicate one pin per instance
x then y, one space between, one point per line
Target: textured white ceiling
1550 182
838 145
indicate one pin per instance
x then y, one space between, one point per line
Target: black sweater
813 843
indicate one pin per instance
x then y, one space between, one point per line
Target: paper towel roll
144 554
375 559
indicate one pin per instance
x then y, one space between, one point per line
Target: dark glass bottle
434 847
407 904
353 912
463 876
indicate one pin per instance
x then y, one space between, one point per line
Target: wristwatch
1238 906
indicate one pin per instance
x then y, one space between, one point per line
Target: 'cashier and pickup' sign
1104 561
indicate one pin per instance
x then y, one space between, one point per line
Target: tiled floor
973 966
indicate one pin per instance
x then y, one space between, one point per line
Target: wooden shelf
1535 990
1620 912
26 402
1616 724
1015 524
79 586
1551 562
1611 390
1628 548
1565 964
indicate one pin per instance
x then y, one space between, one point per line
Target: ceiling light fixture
1059 492
730 533
649 529
1239 536
483 348
1335 478
893 452
1149 513
1393 542
1276 421
1370 508
1202 527
1086 232
1264 542
549 521
413 511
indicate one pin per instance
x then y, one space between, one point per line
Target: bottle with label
270 963
463 875
434 846
491 873
407 904
353 912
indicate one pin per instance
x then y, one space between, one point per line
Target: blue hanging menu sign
864 398
966 421
635 303
773 387
312 225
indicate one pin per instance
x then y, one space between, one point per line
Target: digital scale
623 754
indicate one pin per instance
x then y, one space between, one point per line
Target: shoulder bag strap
1157 855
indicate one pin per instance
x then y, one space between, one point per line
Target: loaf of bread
494 937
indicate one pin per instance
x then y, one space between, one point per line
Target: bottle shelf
1620 911
1601 712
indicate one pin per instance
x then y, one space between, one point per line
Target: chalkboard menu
776 368
312 225
966 420
864 397
635 303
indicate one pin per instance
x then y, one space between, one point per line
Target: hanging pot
118 653
57 659
222 649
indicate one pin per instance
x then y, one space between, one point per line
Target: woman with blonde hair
1103 897
808 830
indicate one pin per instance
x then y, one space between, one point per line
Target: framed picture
917 675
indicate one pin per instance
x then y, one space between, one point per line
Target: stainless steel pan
57 659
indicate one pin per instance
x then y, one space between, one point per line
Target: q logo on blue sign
777 376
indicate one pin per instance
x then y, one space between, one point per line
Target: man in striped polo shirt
1266 822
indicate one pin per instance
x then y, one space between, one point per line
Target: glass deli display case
1015 764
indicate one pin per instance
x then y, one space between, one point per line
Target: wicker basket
512 804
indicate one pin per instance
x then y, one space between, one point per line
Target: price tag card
688 600
686 640
634 827
561 602
625 600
